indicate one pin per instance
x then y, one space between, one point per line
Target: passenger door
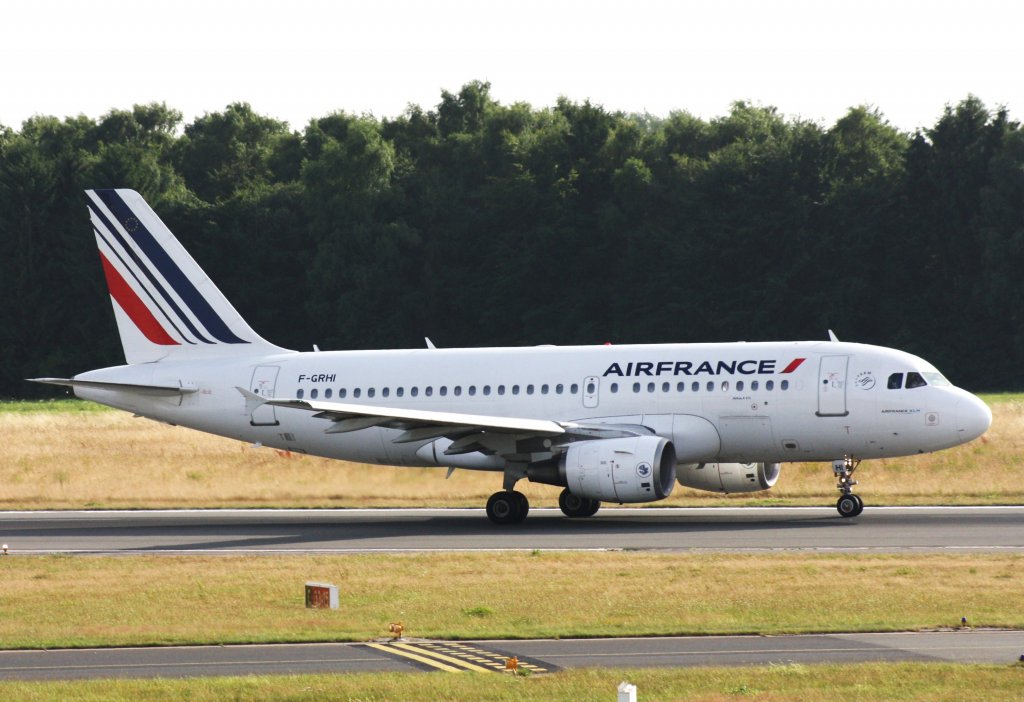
832 386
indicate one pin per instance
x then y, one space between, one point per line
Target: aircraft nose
973 418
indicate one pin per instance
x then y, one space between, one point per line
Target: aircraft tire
575 506
849 505
506 508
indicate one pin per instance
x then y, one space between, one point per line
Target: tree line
478 224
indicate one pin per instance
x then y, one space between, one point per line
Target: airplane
606 423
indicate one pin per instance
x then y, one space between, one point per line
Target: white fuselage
737 402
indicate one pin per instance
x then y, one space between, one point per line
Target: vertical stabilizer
165 305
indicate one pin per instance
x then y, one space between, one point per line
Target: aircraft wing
469 432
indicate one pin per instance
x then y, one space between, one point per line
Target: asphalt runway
358 530
998 647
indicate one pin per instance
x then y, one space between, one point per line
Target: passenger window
695 387
342 393
428 391
769 385
785 385
895 381
385 392
457 390
501 389
400 392
914 380
591 389
559 388
754 384
725 386
487 389
327 393
443 391
357 392
665 387
544 389
472 390
515 389
574 388
414 391
313 393
636 387
739 386
299 393
370 392
680 387
650 387
711 385
614 387
529 389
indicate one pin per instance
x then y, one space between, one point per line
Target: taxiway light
5 549
397 629
512 664
963 621
627 692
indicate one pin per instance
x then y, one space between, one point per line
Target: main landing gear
574 506
507 507
848 504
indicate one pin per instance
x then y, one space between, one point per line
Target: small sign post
321 596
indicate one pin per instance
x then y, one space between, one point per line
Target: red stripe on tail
134 307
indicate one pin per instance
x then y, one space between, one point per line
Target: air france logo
644 470
748 367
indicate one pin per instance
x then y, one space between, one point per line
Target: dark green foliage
482 224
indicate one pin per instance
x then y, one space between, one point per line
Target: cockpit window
914 380
937 380
895 381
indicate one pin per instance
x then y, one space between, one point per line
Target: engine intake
729 477
631 469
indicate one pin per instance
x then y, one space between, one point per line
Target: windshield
937 380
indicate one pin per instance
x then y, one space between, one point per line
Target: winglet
430 344
832 336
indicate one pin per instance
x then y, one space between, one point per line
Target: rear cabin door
832 386
264 378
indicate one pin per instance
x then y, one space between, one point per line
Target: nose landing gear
848 504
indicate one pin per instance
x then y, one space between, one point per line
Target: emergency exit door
264 378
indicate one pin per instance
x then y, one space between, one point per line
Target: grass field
908 682
73 454
60 601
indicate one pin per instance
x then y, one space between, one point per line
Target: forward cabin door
832 386
264 378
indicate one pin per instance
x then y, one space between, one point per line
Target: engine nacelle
729 477
631 469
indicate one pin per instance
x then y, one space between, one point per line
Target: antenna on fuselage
832 336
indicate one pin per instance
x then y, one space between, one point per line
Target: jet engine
630 469
729 477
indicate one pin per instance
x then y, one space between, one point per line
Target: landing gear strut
848 504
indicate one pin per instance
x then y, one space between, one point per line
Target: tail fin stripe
134 307
140 265
154 304
168 268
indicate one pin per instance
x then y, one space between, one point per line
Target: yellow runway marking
448 659
421 659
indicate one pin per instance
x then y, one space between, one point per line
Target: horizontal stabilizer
152 390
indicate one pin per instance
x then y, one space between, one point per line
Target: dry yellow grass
74 459
865 682
54 601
